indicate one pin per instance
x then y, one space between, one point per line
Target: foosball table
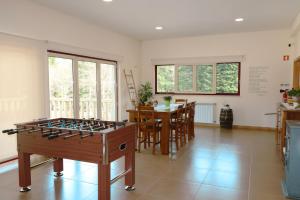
89 140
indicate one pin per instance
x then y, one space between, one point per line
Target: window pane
185 78
204 78
165 78
61 87
87 89
108 92
227 78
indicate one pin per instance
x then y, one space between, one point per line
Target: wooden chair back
146 118
192 109
183 101
188 109
178 117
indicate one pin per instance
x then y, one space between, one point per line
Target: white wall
28 19
22 60
259 48
295 32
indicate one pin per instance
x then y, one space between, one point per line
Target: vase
296 98
167 103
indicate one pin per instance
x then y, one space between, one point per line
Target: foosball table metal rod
53 136
121 175
73 135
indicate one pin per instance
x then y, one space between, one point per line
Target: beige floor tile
208 192
172 189
264 196
227 180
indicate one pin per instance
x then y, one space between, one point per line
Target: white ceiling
137 18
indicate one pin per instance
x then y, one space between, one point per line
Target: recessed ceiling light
107 0
239 19
159 28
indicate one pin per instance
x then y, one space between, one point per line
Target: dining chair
188 120
148 128
177 128
191 122
179 101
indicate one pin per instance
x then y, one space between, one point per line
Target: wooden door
296 74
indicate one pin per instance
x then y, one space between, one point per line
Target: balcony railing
60 107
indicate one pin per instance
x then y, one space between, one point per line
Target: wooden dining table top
161 108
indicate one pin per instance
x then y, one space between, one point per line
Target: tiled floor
216 165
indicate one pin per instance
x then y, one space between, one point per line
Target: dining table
164 113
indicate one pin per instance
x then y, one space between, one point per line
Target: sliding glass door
84 88
61 87
87 89
108 96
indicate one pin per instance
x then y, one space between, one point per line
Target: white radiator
205 113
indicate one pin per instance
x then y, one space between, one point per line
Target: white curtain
22 86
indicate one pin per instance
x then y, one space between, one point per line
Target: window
204 78
165 76
227 78
82 87
185 82
214 78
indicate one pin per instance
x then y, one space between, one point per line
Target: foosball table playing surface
88 140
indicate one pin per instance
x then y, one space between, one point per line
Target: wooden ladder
131 86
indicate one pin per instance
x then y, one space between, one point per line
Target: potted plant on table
145 93
294 94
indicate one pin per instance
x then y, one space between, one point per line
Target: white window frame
194 89
76 99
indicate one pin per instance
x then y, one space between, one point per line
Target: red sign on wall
286 58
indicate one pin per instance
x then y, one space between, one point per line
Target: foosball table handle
7 130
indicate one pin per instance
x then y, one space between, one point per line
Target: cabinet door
287 149
296 74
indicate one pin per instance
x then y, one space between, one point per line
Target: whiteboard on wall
258 80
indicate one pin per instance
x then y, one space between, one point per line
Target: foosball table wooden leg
103 181
24 171
58 167
130 176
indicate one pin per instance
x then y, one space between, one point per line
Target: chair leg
192 129
181 138
148 139
154 143
171 142
139 142
145 140
176 139
188 131
183 135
